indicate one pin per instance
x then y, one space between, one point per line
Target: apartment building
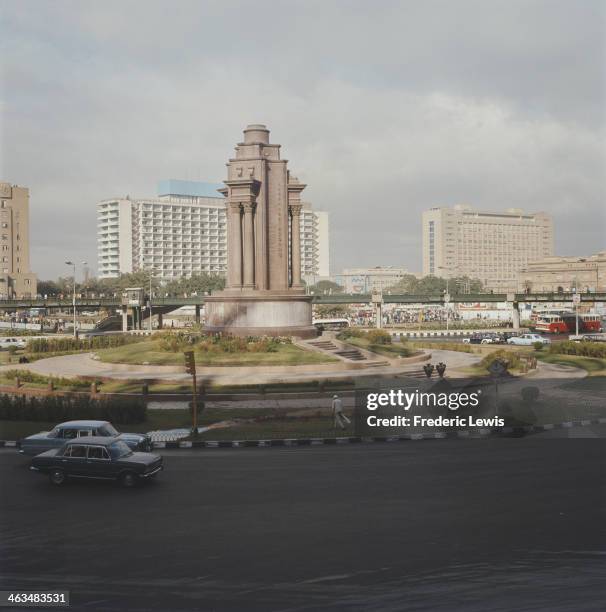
16 278
182 232
490 246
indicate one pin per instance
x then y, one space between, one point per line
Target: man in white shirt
337 410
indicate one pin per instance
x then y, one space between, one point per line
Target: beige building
490 246
557 274
16 279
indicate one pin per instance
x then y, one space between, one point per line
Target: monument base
260 314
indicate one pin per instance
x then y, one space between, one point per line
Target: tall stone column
234 253
295 245
249 246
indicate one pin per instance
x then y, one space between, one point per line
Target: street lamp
73 264
446 298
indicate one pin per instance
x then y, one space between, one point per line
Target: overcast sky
383 108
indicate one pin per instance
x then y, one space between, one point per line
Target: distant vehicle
588 338
330 324
481 339
6 343
106 458
566 322
70 430
528 340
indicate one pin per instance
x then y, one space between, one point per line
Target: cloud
383 109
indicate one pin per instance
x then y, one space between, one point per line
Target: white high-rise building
315 258
183 232
490 246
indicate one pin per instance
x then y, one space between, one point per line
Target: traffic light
190 362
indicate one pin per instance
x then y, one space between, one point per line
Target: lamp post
151 275
73 264
446 298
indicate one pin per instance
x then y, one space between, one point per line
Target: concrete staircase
346 352
350 354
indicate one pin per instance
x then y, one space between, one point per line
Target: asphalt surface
476 525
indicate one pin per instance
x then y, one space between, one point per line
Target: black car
97 457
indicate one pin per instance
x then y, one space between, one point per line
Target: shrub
351 332
583 349
57 408
537 346
65 345
510 358
59 381
378 336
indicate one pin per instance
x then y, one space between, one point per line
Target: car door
98 462
73 460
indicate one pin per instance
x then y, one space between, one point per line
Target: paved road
446 525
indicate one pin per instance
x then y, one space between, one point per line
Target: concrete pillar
248 254
160 321
198 314
124 319
379 315
295 245
516 315
234 253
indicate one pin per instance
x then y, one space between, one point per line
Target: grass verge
150 352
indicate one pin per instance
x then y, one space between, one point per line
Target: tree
407 284
326 286
331 311
197 283
48 287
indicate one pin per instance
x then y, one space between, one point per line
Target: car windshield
120 449
108 430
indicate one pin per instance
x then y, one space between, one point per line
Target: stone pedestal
260 314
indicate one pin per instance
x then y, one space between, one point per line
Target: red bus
565 323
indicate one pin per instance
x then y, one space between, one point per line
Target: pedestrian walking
337 410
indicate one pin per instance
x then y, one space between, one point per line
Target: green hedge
583 349
59 381
60 345
58 409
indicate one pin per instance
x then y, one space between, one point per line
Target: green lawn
594 366
397 349
151 352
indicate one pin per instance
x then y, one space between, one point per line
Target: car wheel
57 477
128 479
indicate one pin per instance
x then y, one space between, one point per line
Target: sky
383 108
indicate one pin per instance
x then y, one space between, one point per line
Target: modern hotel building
183 232
490 246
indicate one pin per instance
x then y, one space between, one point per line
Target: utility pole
190 366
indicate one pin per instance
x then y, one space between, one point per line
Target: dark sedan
96 457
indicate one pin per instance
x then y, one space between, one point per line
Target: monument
264 295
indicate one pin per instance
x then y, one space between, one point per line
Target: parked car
106 458
528 340
6 343
62 433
